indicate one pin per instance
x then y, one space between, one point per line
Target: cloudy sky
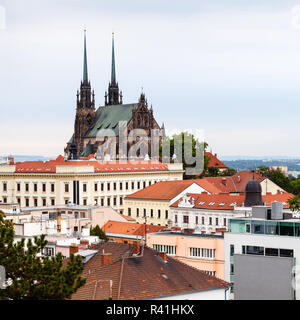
231 68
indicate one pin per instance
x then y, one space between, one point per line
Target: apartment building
208 212
262 255
152 204
201 251
82 182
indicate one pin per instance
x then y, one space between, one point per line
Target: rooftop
187 234
167 190
95 165
214 162
236 183
129 228
224 201
146 276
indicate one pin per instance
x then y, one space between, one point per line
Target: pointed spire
85 68
113 64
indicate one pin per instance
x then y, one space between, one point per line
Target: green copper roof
87 150
113 64
85 68
109 117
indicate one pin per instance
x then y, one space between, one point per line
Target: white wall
215 294
267 241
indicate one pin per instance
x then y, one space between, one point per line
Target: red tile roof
129 228
167 190
99 166
228 202
214 162
236 183
140 277
128 218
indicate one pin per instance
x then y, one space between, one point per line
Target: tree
97 231
294 203
277 177
213 172
179 145
228 172
31 276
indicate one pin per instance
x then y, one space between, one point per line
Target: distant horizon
223 158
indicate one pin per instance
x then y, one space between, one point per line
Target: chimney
106 258
224 181
163 255
73 248
136 247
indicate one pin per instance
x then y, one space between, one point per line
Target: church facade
101 132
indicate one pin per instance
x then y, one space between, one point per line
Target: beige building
204 252
82 182
152 204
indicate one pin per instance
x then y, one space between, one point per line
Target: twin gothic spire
86 98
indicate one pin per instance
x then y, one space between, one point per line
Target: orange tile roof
214 162
236 183
167 190
128 218
225 201
129 228
99 166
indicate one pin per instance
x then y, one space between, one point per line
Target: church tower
85 111
113 97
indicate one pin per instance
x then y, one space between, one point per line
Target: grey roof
109 117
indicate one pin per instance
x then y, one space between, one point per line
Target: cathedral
94 128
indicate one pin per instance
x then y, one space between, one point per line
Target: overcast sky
231 68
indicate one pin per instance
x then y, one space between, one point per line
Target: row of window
97 186
27 187
144 213
203 253
218 221
260 251
164 248
44 202
35 203
122 186
211 273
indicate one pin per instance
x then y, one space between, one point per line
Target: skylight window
201 203
222 204
233 204
212 203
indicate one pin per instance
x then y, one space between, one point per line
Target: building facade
261 255
207 213
57 182
152 204
204 252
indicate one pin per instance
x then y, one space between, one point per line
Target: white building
261 254
206 213
82 182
